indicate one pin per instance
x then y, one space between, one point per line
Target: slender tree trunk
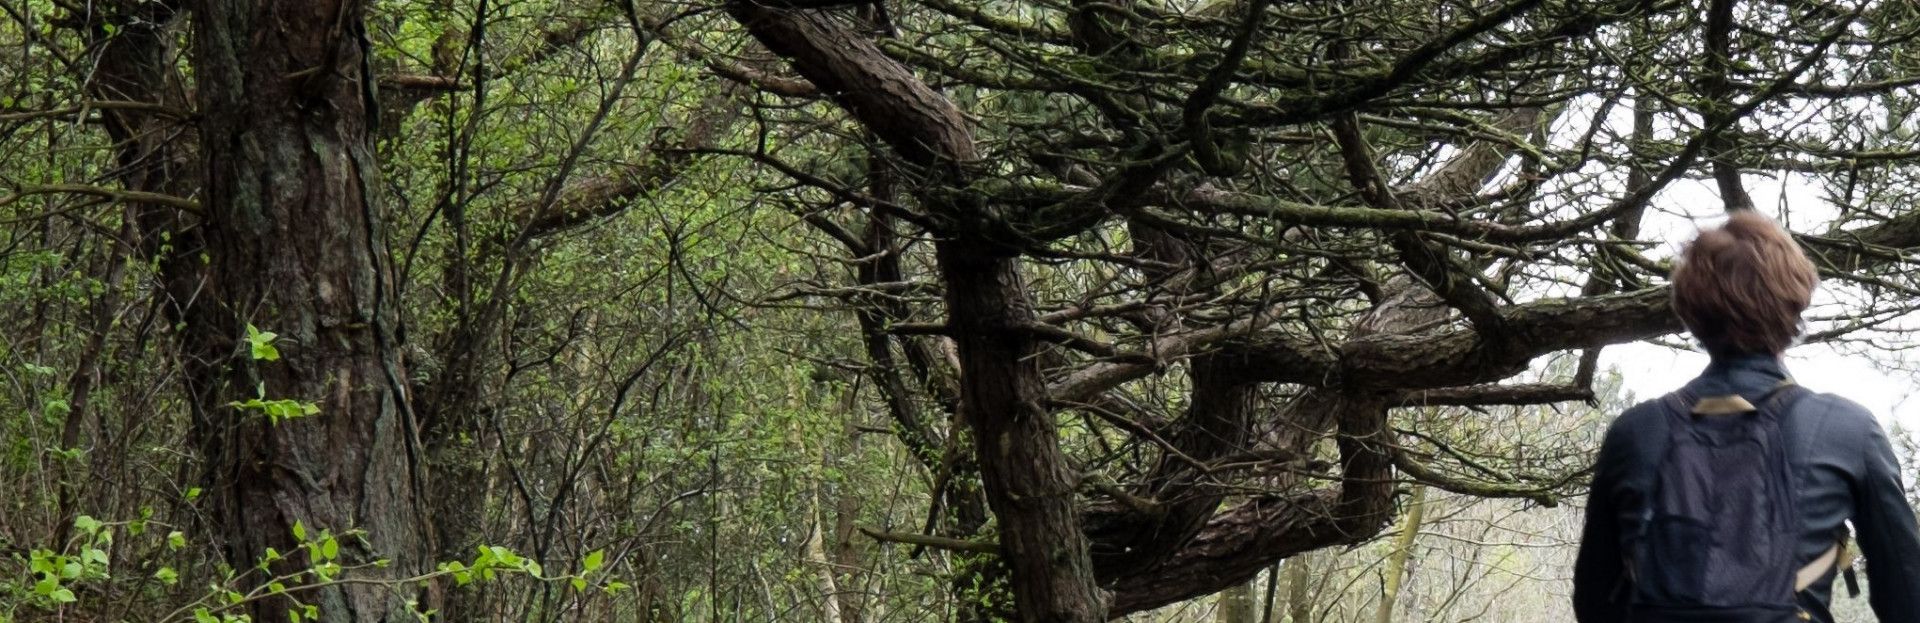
823 566
1299 589
1397 560
294 243
1236 604
87 375
1275 600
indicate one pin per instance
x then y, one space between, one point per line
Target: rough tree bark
1029 483
293 233
1003 396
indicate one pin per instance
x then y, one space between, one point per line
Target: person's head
1740 287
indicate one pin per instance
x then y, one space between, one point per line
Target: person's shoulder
1637 418
1838 412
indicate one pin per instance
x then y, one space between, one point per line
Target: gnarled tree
1306 216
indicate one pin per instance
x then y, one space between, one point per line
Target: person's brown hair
1740 287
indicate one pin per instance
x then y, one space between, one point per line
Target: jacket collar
1750 377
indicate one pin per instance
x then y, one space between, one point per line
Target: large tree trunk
1003 396
1029 484
294 244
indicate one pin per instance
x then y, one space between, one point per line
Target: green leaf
200 615
579 583
176 540
330 549
167 576
86 524
62 596
260 344
299 531
593 561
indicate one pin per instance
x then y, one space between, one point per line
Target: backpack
1718 533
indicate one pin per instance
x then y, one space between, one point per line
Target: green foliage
260 344
260 347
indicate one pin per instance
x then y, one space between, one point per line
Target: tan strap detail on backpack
1722 405
1836 557
1819 567
1734 404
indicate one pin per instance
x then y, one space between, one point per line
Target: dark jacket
1843 468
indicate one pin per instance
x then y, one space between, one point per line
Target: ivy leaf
260 344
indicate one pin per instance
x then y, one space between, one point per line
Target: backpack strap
1780 398
1680 402
1810 574
1836 556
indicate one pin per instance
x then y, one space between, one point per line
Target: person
1727 501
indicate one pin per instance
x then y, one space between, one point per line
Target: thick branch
882 94
1082 384
1497 394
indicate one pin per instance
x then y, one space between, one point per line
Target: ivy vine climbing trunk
293 238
